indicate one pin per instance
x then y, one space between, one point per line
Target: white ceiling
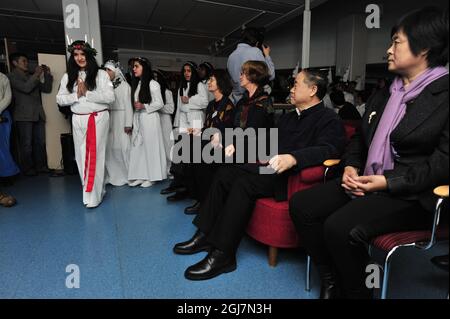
190 26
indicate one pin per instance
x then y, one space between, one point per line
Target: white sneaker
146 184
136 183
92 205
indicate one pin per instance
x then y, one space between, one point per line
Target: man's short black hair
317 78
253 36
338 98
16 56
427 30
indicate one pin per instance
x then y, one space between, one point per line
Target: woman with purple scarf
392 164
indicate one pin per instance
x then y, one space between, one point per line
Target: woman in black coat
393 163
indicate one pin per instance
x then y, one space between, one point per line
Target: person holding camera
28 112
251 48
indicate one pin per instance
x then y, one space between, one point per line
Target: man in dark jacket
28 112
306 137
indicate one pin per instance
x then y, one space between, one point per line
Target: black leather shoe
43 170
178 196
441 262
214 264
194 245
329 288
30 173
192 210
172 189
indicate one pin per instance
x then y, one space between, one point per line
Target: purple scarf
381 153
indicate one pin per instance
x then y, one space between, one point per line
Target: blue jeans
32 150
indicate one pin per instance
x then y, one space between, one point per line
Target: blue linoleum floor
124 250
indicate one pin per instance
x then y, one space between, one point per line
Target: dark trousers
336 229
182 172
226 211
202 176
32 148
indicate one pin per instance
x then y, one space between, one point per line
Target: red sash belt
91 151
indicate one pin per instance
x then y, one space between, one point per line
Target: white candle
85 38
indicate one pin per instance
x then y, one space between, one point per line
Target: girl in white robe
120 128
148 156
192 100
89 92
166 115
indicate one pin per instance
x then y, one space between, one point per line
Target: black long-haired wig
159 77
193 82
145 96
91 67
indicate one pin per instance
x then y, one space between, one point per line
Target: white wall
286 40
169 61
55 124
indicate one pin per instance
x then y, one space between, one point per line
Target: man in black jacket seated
307 137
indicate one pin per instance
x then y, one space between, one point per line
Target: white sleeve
176 120
104 93
157 101
169 107
259 56
64 97
200 100
6 99
271 67
125 102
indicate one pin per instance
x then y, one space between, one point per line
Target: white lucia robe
192 114
90 125
166 125
148 156
119 143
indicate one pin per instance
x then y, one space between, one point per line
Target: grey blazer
26 91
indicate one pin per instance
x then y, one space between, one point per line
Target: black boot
329 288
194 245
441 262
180 194
173 188
214 264
192 210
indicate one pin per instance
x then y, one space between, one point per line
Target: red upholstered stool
271 224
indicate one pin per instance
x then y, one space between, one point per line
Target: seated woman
392 165
219 115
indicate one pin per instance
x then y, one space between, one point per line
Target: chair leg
387 265
308 273
273 254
